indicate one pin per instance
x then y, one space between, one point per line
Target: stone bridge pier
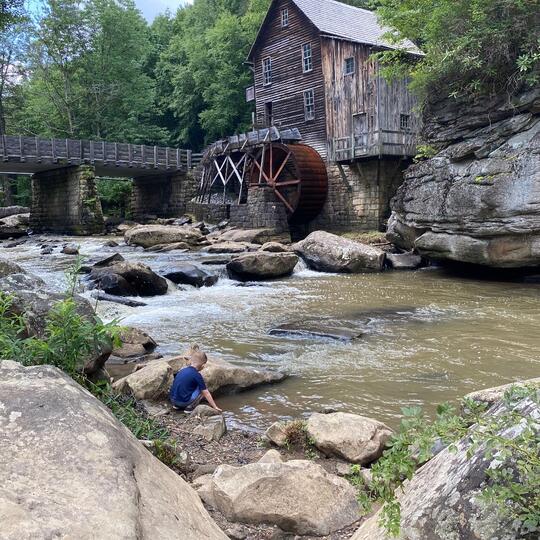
65 200
161 195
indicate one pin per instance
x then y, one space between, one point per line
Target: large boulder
261 265
7 211
155 379
128 279
152 235
328 252
252 236
298 496
477 200
227 247
443 499
135 342
69 469
352 437
189 274
490 396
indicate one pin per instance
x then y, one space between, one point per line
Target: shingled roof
335 19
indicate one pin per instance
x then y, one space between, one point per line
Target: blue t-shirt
187 380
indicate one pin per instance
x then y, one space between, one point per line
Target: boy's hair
197 358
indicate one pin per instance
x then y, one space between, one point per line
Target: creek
428 336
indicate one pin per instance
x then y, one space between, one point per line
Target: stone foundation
66 201
359 194
161 196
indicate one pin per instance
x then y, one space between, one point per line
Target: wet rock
135 342
277 434
144 498
403 261
176 246
15 244
226 247
70 249
262 265
352 437
184 220
47 251
327 252
153 382
204 411
104 297
17 220
490 396
128 279
7 211
189 274
151 235
298 496
222 224
443 498
211 428
109 261
111 243
251 236
221 261
275 247
317 330
7 232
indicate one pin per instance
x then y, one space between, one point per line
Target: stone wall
359 194
161 195
66 201
262 210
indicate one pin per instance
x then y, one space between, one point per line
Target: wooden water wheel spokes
297 175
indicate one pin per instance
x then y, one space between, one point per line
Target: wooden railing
372 143
77 152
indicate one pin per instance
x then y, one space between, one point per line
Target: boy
189 387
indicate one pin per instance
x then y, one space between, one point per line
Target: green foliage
471 47
424 151
115 196
513 483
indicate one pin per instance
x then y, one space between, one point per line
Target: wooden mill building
313 71
331 136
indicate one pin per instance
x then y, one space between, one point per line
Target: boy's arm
208 396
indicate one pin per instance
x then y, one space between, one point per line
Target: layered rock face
478 199
69 469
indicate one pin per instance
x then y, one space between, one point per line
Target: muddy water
427 337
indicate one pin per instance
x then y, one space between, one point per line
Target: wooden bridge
29 155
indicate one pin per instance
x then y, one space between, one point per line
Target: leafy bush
115 195
471 47
512 485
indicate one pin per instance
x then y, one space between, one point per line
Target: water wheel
297 174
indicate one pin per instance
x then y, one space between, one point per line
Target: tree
472 47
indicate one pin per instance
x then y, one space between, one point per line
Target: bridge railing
78 152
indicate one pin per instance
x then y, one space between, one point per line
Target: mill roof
335 19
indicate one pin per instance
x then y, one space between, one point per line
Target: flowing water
428 337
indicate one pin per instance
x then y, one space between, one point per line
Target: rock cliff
477 200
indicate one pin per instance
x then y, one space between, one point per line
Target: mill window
307 58
267 71
349 66
404 122
309 104
284 18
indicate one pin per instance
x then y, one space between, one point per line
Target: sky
151 8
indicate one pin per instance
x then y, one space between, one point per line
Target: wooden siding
363 93
284 46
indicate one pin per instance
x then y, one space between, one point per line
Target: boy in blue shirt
189 387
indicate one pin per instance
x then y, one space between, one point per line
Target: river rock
298 496
176 246
17 220
442 500
189 274
204 411
8 231
277 434
490 396
226 247
211 428
7 211
319 329
135 343
153 382
272 456
251 236
261 265
151 235
328 252
352 437
128 279
70 249
403 261
116 299
477 200
275 247
75 454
